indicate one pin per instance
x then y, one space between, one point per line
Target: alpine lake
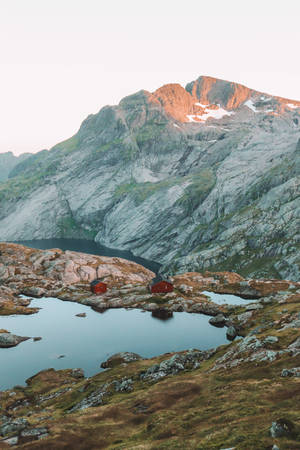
69 341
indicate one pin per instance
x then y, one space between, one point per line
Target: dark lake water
86 342
81 245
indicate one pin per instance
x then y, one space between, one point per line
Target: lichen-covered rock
294 372
282 427
95 398
120 358
178 362
13 425
125 385
218 320
10 340
231 333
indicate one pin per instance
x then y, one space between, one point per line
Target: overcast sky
64 59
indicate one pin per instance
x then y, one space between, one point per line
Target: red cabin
98 287
162 287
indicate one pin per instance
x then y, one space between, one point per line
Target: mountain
8 161
202 177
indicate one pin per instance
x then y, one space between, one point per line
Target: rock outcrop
196 178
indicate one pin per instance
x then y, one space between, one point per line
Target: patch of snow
201 104
191 118
293 106
214 113
251 106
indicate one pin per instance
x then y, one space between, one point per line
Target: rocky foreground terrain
204 177
244 395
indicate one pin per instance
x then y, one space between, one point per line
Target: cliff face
195 178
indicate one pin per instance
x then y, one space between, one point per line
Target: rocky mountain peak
209 97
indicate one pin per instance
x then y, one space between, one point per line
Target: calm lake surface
81 245
227 299
88 341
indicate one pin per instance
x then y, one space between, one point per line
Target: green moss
198 189
67 146
150 131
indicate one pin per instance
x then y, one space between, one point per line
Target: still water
227 299
88 341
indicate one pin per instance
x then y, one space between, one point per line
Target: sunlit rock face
202 177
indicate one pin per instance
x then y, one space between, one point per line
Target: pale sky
61 60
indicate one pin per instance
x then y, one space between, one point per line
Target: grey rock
126 385
178 362
13 425
218 321
96 398
295 345
281 427
294 372
77 373
11 340
254 307
271 340
120 358
231 333
34 432
11 441
245 317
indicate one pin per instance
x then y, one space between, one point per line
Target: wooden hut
98 286
160 285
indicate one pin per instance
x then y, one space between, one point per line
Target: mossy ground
196 409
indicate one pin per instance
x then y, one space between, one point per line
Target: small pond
88 341
227 299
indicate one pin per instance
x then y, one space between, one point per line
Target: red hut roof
162 287
98 287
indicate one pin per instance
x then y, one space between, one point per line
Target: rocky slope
202 177
244 395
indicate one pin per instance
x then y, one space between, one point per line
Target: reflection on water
88 341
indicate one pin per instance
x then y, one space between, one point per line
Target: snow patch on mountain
250 105
211 111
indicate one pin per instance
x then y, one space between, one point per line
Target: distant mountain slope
195 178
8 161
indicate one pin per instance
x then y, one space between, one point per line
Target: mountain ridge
193 186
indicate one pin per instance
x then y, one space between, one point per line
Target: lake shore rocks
8 340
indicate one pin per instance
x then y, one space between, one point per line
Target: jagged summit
209 97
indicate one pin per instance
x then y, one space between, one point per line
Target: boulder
282 427
294 372
11 340
218 321
231 333
120 358
13 425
